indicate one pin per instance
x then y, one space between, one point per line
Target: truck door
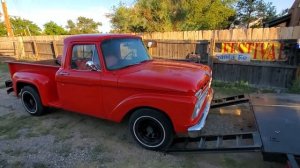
79 87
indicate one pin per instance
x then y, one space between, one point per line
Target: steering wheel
129 54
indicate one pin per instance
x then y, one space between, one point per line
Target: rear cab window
81 54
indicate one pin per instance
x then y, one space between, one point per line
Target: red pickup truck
114 78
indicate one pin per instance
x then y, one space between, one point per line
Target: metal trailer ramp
277 118
231 142
278 121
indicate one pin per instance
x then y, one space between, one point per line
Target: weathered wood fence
32 47
178 45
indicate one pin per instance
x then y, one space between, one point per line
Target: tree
121 19
251 10
172 15
2 29
24 27
204 14
83 25
51 28
283 12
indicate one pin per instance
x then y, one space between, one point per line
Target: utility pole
10 32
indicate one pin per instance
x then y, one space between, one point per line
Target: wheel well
20 85
128 114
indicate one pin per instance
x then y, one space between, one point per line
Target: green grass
3 74
3 67
10 125
230 163
61 131
65 150
295 88
39 165
97 150
17 164
236 88
16 152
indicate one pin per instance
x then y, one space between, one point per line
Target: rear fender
41 82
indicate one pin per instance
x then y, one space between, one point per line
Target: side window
81 54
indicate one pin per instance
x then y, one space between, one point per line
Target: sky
59 11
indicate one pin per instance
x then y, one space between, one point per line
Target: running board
229 101
231 142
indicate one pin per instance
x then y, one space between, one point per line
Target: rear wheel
31 101
151 129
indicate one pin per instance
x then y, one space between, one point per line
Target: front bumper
195 130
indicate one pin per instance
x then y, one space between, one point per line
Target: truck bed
46 68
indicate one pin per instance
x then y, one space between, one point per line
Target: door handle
64 73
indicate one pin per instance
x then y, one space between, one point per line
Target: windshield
121 53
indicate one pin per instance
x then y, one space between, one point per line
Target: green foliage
83 25
2 29
251 10
201 15
51 28
172 15
24 27
295 88
235 88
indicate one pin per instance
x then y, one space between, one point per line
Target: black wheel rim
149 131
29 102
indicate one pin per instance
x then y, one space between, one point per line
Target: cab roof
97 37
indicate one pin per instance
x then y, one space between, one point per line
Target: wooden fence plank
296 33
207 34
286 33
249 33
239 34
266 34
274 33
257 34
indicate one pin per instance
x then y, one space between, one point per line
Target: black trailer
277 133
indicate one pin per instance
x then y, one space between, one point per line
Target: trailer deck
277 134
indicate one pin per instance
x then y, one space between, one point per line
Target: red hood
166 76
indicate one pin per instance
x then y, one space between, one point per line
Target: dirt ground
65 139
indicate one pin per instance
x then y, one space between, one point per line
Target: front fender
178 108
41 82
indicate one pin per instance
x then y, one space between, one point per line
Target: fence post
212 45
35 50
54 49
298 73
16 52
20 48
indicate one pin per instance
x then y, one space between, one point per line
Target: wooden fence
179 45
280 33
32 47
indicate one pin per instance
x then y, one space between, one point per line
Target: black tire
151 129
31 101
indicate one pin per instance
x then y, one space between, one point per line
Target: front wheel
151 129
31 101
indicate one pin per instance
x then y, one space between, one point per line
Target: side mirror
150 43
91 65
